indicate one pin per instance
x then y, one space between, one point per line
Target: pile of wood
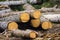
37 18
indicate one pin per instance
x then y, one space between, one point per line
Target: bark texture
50 17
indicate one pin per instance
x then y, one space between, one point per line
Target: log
50 9
36 14
50 17
25 17
35 23
12 2
8 25
18 17
46 25
22 33
20 2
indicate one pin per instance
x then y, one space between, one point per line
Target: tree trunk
8 25
26 33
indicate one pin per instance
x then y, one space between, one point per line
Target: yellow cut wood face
46 25
32 34
37 14
25 17
12 26
35 23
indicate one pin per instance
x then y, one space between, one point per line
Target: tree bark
22 33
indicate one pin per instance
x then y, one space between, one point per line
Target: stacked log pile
36 18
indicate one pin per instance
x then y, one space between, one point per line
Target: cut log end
25 17
12 26
46 25
32 34
36 14
35 23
